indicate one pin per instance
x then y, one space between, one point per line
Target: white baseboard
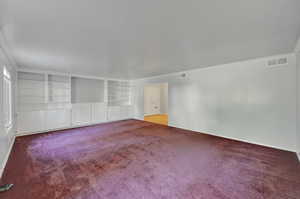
232 138
7 156
237 139
68 127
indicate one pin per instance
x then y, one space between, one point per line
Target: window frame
7 99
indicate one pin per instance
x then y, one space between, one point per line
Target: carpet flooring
140 160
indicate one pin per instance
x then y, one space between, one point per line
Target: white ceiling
140 38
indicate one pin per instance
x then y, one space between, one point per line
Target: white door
152 100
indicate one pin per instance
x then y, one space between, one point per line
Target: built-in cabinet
55 101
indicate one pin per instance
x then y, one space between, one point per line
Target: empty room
149 99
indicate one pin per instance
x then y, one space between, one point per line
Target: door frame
154 84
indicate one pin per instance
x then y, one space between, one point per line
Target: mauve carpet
139 160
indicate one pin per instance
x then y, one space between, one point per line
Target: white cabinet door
119 112
98 112
81 114
58 118
126 112
114 113
29 122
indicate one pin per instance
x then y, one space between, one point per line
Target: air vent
277 62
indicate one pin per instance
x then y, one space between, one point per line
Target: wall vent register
277 62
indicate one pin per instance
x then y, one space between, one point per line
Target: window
7 100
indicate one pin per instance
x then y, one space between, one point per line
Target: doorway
156 103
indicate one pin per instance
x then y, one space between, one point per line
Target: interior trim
69 127
7 156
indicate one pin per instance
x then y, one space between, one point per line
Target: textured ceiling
141 38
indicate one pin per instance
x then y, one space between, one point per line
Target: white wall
164 98
297 47
246 101
6 138
298 99
87 90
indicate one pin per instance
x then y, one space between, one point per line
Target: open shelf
119 93
59 89
31 90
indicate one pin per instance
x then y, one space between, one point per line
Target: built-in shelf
50 101
59 89
119 93
31 89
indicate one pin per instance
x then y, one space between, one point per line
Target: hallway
158 119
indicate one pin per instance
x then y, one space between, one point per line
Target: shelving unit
59 89
87 100
119 99
31 91
119 93
52 101
31 101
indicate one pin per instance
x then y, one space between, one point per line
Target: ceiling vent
277 62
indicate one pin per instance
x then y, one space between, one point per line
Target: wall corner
297 47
